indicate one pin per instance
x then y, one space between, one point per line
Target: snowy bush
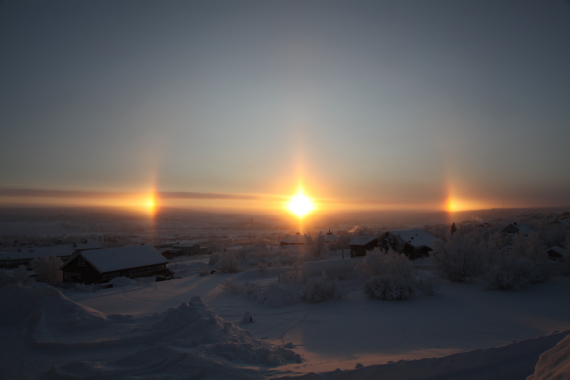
390 277
377 262
509 271
228 263
214 258
18 275
320 289
47 269
231 286
457 259
204 272
389 287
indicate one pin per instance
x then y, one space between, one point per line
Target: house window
81 261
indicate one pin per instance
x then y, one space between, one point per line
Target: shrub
389 287
231 286
509 271
228 263
377 262
47 269
12 276
321 289
457 258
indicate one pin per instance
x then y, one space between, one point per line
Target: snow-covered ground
343 334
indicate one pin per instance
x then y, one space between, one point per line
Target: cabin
296 239
555 253
362 244
418 243
100 266
515 228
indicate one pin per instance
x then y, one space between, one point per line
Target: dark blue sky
393 103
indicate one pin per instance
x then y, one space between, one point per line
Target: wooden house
362 244
515 228
417 242
100 266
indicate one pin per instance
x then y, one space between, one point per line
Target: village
289 289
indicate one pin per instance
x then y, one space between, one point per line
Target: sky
423 105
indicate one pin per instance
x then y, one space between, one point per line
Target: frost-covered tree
47 269
457 259
320 289
378 262
228 263
453 229
388 241
12 276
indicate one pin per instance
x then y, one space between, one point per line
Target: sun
300 205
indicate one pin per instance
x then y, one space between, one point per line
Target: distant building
362 244
330 237
515 228
555 253
561 222
14 257
296 239
187 249
100 266
417 243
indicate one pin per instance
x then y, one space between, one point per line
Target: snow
149 330
513 361
554 363
416 237
113 259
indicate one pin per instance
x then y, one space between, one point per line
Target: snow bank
510 362
122 281
191 340
49 308
554 363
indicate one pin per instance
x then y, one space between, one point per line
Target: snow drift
511 362
189 339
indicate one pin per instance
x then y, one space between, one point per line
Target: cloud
46 193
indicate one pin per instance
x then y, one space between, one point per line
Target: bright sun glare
301 205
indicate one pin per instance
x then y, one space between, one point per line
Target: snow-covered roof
330 237
113 259
362 240
294 239
557 249
32 253
522 228
416 237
